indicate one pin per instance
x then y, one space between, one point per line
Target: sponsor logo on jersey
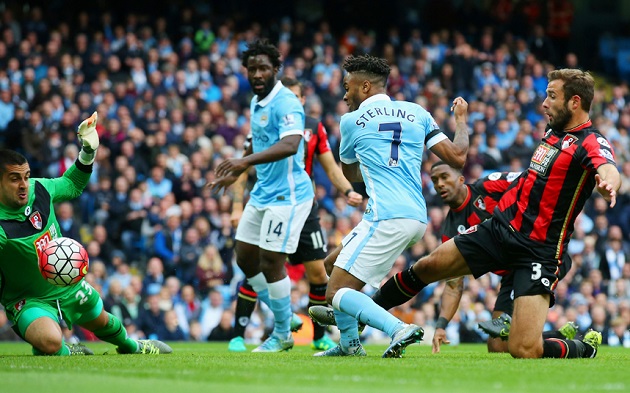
472 229
289 119
27 211
36 220
568 140
602 141
307 134
41 242
480 204
494 176
606 154
542 158
512 176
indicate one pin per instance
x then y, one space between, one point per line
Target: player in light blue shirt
282 199
387 139
282 182
382 144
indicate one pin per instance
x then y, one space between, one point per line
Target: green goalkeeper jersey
25 231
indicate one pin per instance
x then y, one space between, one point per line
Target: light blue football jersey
388 138
283 182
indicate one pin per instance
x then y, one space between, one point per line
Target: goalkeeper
27 223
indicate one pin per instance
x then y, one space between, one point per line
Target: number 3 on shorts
536 271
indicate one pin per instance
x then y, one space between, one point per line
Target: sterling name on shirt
383 111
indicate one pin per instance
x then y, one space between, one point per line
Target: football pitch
205 367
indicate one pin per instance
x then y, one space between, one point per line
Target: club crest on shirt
36 220
480 204
19 305
307 134
264 119
568 140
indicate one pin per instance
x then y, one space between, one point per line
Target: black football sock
245 305
399 289
317 297
568 349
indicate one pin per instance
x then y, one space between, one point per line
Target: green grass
210 368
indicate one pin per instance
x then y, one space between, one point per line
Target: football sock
245 305
399 289
260 286
115 333
363 309
348 331
280 304
317 297
559 348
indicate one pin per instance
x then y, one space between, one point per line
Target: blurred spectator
223 331
151 317
170 329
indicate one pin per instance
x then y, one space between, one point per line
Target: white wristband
87 158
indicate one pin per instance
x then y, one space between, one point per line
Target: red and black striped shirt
483 196
543 204
315 142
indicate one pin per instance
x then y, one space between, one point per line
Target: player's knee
49 344
330 294
522 351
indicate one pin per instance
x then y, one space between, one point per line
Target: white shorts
369 251
273 228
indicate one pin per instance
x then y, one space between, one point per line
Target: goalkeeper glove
89 139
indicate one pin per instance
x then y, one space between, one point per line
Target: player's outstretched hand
607 190
222 183
354 198
87 133
232 167
459 108
438 339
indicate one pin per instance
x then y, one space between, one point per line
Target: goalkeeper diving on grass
37 308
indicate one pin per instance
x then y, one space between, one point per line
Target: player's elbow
458 161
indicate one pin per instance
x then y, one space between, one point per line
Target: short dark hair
375 68
262 47
439 163
287 81
576 83
10 157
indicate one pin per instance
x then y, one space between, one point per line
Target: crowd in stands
173 102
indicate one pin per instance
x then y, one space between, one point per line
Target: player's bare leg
444 262
45 335
528 320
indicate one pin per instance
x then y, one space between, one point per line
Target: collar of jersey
374 98
270 96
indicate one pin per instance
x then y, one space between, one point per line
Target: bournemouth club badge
36 220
